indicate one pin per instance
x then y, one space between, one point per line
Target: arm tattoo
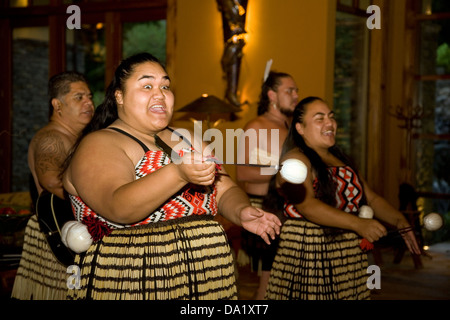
50 153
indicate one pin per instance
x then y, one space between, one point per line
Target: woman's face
319 126
147 102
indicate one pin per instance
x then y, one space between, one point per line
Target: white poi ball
64 230
294 171
76 236
365 212
433 221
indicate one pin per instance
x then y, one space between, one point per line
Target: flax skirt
188 258
39 276
310 265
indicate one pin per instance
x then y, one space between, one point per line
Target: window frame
413 76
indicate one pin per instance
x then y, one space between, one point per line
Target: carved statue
233 17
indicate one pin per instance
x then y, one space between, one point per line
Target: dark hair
326 186
106 112
59 85
272 82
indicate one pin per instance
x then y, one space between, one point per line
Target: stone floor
400 281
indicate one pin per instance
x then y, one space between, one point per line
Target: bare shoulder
100 139
47 132
102 158
176 133
48 150
103 147
181 137
97 152
50 141
259 122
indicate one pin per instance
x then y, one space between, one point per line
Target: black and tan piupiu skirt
39 276
311 265
187 258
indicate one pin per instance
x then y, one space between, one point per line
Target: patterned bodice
349 192
190 200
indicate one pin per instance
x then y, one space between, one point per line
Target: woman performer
319 255
149 205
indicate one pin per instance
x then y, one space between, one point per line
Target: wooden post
376 102
113 41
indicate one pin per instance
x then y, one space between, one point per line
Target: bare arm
316 211
387 213
103 175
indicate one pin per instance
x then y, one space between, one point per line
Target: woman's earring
274 106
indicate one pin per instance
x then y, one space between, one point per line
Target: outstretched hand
410 240
264 224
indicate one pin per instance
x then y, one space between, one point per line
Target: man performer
40 275
279 96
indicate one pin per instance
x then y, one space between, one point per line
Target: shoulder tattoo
50 152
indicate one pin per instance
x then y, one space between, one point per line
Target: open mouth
158 108
328 133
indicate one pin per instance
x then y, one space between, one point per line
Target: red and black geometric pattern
349 192
190 200
349 188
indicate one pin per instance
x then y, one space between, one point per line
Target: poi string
401 231
292 170
366 212
217 161
366 245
